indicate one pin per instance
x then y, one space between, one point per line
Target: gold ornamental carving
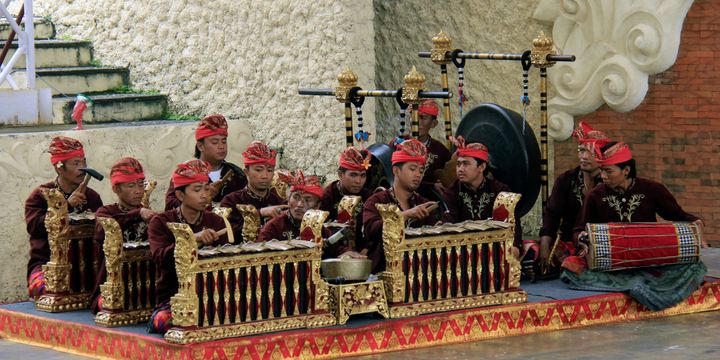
542 47
112 289
149 188
281 187
251 221
441 47
347 80
314 219
414 83
184 303
358 298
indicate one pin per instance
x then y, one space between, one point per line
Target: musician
128 183
624 197
438 155
472 196
352 173
260 167
191 183
211 147
408 161
67 156
568 192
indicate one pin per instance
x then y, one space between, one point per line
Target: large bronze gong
380 172
514 154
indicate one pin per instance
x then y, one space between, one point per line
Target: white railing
26 45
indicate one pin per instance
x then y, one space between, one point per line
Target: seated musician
568 192
67 157
305 193
211 147
408 161
260 168
438 154
472 195
128 183
352 174
190 180
624 197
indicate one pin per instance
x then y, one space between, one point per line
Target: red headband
299 182
616 154
190 172
585 134
126 170
211 125
352 159
475 150
428 107
63 148
259 153
410 151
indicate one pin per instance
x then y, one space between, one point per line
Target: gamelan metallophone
70 273
452 266
245 289
617 246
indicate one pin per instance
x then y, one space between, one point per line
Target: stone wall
404 27
244 59
25 164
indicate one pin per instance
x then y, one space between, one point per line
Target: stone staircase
68 68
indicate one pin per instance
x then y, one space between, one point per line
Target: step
112 108
44 29
56 53
75 80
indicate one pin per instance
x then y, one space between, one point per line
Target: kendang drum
617 246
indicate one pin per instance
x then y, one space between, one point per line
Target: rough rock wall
25 164
244 59
404 27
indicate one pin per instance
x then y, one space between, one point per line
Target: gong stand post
441 46
542 51
411 93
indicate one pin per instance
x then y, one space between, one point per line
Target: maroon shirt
237 182
286 228
372 223
247 197
564 205
438 156
35 210
133 228
642 202
465 203
162 246
330 200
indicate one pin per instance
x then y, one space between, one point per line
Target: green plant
124 89
180 117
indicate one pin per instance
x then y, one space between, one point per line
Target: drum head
380 171
514 154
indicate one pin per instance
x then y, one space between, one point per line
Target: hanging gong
514 155
380 172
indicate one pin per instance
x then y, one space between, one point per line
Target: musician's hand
206 237
353 255
273 211
419 212
439 187
545 250
364 252
582 250
701 225
146 214
516 252
214 189
78 197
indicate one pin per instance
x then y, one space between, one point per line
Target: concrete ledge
56 53
74 80
113 108
44 28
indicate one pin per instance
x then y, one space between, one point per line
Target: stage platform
551 306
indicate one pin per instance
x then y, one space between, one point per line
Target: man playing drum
625 198
67 157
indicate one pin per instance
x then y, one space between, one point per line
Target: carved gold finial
346 81
440 48
542 47
414 83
